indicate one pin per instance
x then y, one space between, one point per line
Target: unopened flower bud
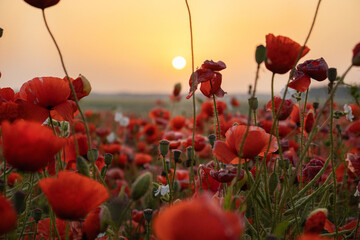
105 218
332 74
260 54
253 103
148 213
212 139
189 152
356 55
164 147
315 105
82 166
93 154
108 158
37 212
1 32
86 84
141 186
177 89
177 154
19 201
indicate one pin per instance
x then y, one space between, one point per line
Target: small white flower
348 111
357 193
111 137
289 94
124 122
118 116
163 190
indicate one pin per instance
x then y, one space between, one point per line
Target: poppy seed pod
164 147
141 186
332 74
19 201
177 154
253 103
212 139
37 212
260 54
108 158
148 213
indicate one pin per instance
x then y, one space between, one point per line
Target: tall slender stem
191 179
74 95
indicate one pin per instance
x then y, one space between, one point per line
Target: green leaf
281 229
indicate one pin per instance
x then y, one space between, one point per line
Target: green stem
35 231
67 228
302 122
191 179
29 196
167 177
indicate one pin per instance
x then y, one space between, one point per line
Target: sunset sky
128 45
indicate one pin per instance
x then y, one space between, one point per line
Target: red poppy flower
142 158
44 227
72 196
29 146
13 179
208 182
311 169
92 223
199 142
8 216
356 55
199 218
9 110
312 237
234 102
150 131
316 69
47 95
70 150
42 4
159 115
285 110
177 123
316 221
309 121
208 72
282 53
255 144
300 81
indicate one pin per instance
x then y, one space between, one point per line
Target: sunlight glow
179 62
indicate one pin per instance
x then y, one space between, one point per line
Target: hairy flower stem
29 196
302 123
191 179
67 229
333 161
92 160
167 178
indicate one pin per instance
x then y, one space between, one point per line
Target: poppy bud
189 152
249 90
37 212
273 182
260 54
19 201
332 74
82 166
212 139
108 158
177 154
356 55
177 89
164 147
316 69
253 103
93 154
148 213
1 32
86 85
105 218
2 185
315 105
141 186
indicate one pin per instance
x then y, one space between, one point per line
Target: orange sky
128 45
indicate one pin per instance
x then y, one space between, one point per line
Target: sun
179 62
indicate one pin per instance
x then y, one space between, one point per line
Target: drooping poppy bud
42 4
316 69
260 54
177 89
356 55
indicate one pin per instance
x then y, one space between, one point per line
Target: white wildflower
111 137
163 190
348 111
289 94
